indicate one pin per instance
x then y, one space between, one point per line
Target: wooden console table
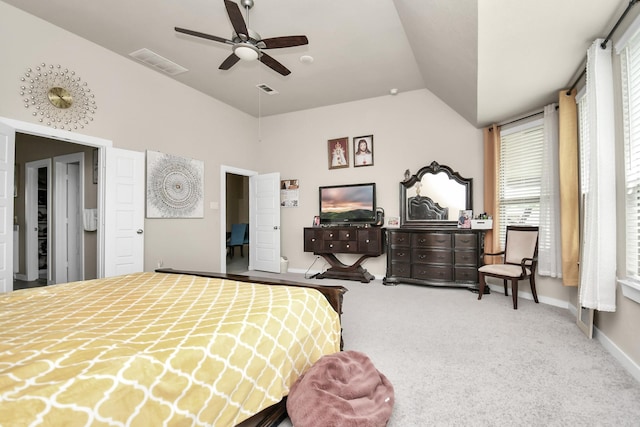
329 241
445 256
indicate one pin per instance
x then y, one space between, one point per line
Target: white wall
138 109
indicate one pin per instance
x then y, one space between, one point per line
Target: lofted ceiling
489 60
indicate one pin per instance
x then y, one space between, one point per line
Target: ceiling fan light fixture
247 44
246 51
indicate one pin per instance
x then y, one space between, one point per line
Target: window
520 175
630 65
628 47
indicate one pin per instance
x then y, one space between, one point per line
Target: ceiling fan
247 44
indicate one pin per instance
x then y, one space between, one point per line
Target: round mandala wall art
59 97
175 186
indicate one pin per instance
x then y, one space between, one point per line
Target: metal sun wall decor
175 186
59 97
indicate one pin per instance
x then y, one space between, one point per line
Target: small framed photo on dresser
464 219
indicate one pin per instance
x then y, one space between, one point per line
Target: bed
161 348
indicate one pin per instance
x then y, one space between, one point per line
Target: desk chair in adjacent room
520 261
239 237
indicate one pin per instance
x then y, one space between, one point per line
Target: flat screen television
348 204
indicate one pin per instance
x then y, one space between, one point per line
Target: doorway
49 204
38 222
263 195
117 238
237 212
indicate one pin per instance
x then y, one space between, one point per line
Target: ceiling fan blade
229 62
273 64
202 35
235 16
286 41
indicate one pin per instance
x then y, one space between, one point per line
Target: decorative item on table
393 222
338 153
379 217
316 221
363 151
464 218
482 222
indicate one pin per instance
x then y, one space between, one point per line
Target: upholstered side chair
520 262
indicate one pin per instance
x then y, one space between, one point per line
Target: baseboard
306 273
22 277
632 367
528 295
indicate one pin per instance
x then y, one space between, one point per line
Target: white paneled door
124 212
7 156
264 224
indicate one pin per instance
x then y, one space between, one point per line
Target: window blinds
631 107
519 176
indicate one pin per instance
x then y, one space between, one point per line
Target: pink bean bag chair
341 390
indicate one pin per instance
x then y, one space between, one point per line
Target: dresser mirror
434 197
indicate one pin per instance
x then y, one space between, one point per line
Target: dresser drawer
466 274
440 273
341 246
400 254
369 241
466 258
312 240
401 269
400 239
426 240
338 234
432 256
465 241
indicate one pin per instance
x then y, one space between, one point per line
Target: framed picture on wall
338 153
363 151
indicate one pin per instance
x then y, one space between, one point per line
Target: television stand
327 242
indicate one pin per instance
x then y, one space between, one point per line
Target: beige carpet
454 360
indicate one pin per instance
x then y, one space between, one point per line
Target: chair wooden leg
242 251
481 285
514 293
504 282
532 281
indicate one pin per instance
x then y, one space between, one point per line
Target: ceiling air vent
267 89
156 61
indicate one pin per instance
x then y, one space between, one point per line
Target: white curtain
550 253
598 266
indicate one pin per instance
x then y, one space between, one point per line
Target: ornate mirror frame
414 184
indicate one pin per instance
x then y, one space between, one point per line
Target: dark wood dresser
435 256
329 241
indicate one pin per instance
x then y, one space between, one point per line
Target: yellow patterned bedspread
153 349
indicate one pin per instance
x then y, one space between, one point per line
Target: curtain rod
603 45
528 116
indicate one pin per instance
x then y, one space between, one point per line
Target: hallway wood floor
21 284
